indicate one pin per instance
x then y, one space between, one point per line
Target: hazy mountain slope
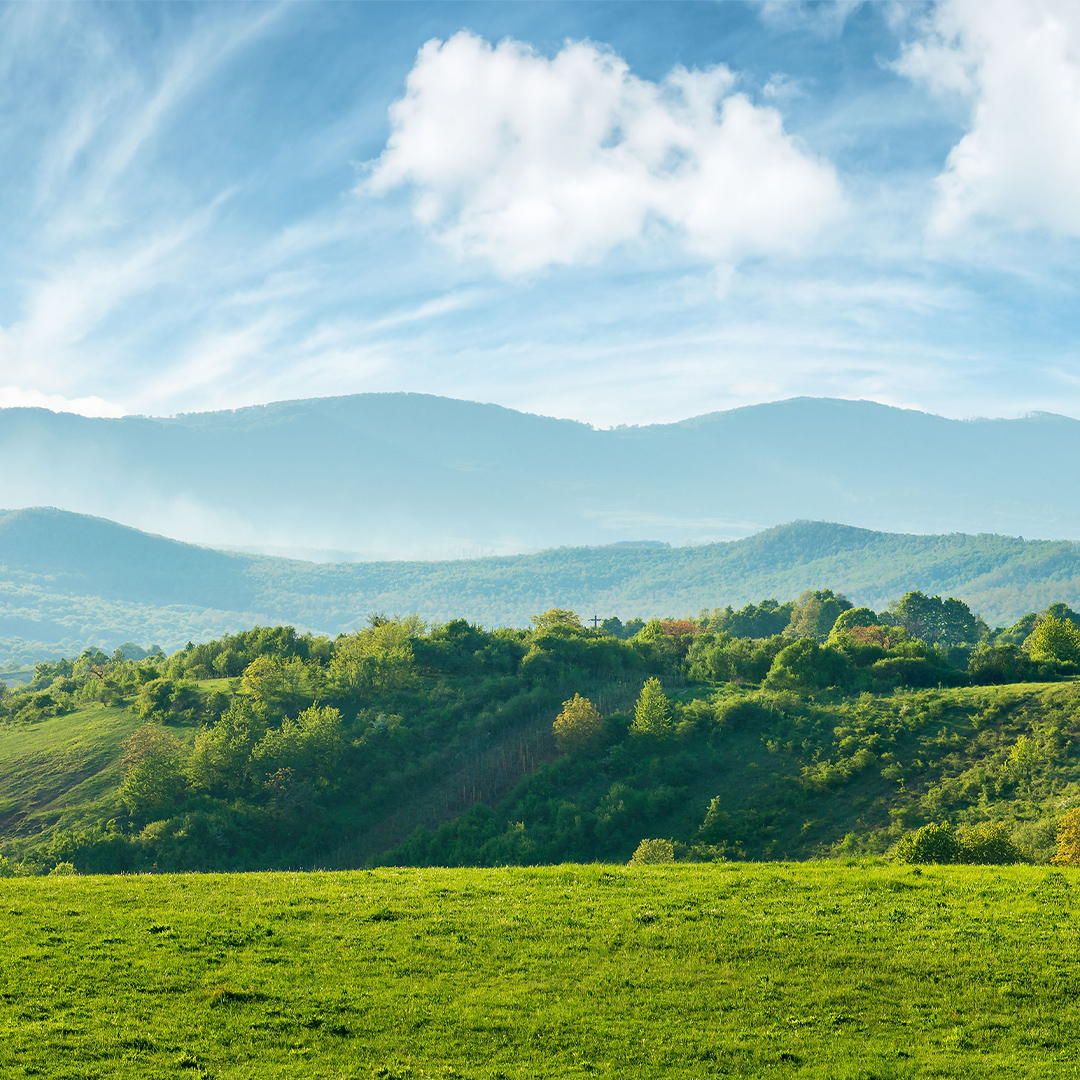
67 581
411 475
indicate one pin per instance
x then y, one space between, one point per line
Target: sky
615 213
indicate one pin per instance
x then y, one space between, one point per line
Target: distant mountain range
68 581
415 476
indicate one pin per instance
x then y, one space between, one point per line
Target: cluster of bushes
991 844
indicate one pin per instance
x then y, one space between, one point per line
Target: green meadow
867 970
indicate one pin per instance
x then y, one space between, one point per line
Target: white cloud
1018 67
531 162
12 397
825 20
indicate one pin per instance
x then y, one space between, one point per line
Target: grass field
809 970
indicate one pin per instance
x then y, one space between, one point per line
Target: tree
221 755
1068 839
652 713
805 664
852 617
579 726
816 612
936 621
309 747
932 843
556 617
278 685
153 778
1054 639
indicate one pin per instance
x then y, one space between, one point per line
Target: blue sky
619 213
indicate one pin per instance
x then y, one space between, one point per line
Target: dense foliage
411 744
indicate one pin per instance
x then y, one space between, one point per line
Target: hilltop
68 581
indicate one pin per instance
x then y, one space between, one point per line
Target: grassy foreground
865 971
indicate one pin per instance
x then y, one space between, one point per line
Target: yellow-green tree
579 726
652 713
556 617
1068 839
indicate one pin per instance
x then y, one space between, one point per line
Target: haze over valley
413 476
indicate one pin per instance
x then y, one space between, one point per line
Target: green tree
377 658
806 665
221 755
309 746
936 621
652 713
932 843
153 781
816 612
1054 639
859 616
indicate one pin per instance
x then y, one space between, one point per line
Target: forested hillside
415 476
68 581
776 730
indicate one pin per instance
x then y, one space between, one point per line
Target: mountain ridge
416 476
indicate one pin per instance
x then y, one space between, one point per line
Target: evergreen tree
652 713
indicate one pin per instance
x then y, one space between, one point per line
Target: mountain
68 581
415 476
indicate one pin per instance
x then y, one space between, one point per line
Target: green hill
415 746
68 581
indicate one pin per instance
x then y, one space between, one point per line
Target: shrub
651 852
932 843
63 869
999 664
991 843
805 665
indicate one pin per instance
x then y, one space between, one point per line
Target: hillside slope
68 581
416 476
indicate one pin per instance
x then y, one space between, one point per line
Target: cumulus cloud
529 161
1017 66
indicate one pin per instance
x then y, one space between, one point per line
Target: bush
63 869
932 843
991 664
805 665
651 852
989 844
